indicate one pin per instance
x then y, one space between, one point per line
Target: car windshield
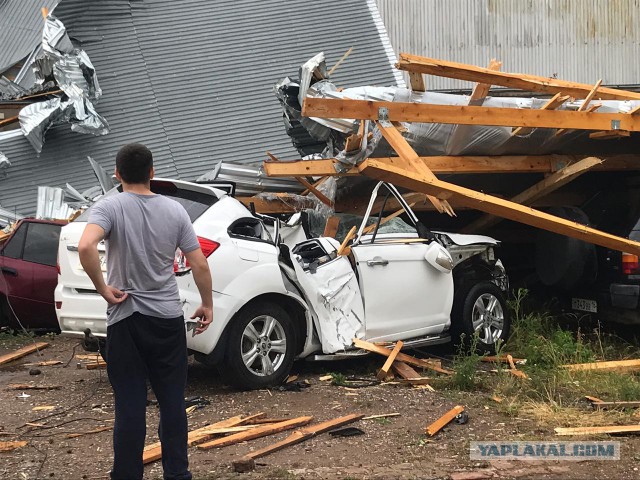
195 203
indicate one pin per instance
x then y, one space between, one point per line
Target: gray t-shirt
142 233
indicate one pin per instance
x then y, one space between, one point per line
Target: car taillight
180 262
630 264
58 305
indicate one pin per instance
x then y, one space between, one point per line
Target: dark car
29 275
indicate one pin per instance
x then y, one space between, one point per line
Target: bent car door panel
403 295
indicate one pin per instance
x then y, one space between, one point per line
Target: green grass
551 389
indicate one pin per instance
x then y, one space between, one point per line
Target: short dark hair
134 163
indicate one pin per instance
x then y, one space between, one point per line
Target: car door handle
9 271
377 261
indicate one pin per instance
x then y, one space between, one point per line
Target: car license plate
584 305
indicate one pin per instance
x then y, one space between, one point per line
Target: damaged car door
404 274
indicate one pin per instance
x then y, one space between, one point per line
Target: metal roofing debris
20 29
227 75
74 74
249 180
9 89
51 204
105 181
4 163
7 217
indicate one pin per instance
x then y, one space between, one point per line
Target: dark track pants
141 347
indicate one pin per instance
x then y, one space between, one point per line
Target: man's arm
90 260
202 277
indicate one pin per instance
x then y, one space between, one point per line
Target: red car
28 275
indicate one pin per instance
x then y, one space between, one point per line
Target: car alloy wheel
487 318
264 345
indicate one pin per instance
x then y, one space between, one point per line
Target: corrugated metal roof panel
193 80
20 29
582 41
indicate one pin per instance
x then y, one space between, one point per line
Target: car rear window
195 203
42 244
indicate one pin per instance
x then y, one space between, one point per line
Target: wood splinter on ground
444 420
417 362
597 430
513 370
25 386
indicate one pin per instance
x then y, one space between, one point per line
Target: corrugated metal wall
579 40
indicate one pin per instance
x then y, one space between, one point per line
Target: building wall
578 40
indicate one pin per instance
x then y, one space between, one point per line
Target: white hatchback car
277 300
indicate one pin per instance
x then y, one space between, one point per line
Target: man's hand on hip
204 316
112 295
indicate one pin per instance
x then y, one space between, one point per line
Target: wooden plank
331 227
416 80
344 249
501 358
256 433
532 83
8 121
597 430
47 363
405 371
618 365
100 364
585 104
304 434
593 399
26 386
468 114
384 371
10 446
404 150
553 103
153 451
383 415
319 195
400 176
460 165
353 143
342 59
417 362
23 352
439 424
609 134
615 405
544 187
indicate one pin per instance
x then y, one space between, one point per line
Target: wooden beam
331 227
402 148
597 430
405 371
618 365
304 434
463 164
279 203
442 422
553 103
399 175
384 371
256 433
532 83
468 115
417 82
23 352
8 121
456 141
609 134
319 195
417 362
539 190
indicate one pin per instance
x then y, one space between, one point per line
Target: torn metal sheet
4 164
72 71
9 89
104 179
8 217
249 180
51 204
334 296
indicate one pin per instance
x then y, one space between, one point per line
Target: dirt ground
391 448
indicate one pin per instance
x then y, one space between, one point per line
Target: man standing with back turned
145 327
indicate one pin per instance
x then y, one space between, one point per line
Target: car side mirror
439 258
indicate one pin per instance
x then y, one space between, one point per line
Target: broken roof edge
386 42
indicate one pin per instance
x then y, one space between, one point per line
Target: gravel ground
391 448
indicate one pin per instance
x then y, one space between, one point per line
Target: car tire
252 359
468 316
